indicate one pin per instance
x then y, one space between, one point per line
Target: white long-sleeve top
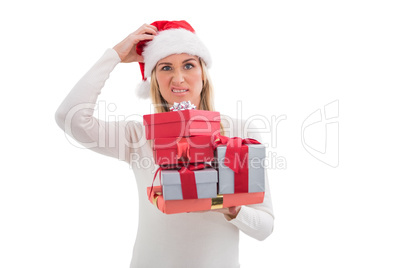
177 240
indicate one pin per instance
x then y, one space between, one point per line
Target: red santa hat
174 37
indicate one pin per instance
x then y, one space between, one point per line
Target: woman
172 55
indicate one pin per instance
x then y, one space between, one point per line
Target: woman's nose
178 77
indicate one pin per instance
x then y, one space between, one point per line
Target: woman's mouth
179 90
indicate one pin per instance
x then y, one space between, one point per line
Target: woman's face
180 78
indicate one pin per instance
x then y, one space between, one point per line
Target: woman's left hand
229 213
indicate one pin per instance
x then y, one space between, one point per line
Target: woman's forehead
178 58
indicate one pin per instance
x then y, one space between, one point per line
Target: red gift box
181 123
197 149
192 205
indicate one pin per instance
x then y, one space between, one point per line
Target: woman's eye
188 66
166 68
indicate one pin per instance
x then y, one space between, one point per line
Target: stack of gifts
199 169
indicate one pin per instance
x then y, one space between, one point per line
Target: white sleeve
257 220
75 114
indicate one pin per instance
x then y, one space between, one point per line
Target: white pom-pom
143 90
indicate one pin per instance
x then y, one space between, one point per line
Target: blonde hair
207 92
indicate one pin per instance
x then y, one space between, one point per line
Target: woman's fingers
126 48
150 29
143 34
146 29
144 37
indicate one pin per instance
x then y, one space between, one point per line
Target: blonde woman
171 55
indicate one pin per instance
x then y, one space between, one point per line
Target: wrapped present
189 182
196 149
181 123
156 197
240 164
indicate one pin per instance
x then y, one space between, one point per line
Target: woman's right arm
75 114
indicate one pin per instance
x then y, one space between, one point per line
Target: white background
61 206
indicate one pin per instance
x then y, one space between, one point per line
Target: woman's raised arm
75 113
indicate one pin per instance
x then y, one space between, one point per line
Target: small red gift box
191 205
197 149
182 123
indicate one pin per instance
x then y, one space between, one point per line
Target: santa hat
174 37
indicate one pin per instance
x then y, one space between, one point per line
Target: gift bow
184 105
234 150
183 148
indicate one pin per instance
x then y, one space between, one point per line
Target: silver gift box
256 170
206 180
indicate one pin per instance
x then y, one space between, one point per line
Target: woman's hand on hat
126 49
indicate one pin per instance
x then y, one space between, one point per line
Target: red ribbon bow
234 147
183 148
236 158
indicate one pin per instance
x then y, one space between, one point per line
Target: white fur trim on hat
143 89
173 41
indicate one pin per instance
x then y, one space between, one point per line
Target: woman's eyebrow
164 63
190 59
169 63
